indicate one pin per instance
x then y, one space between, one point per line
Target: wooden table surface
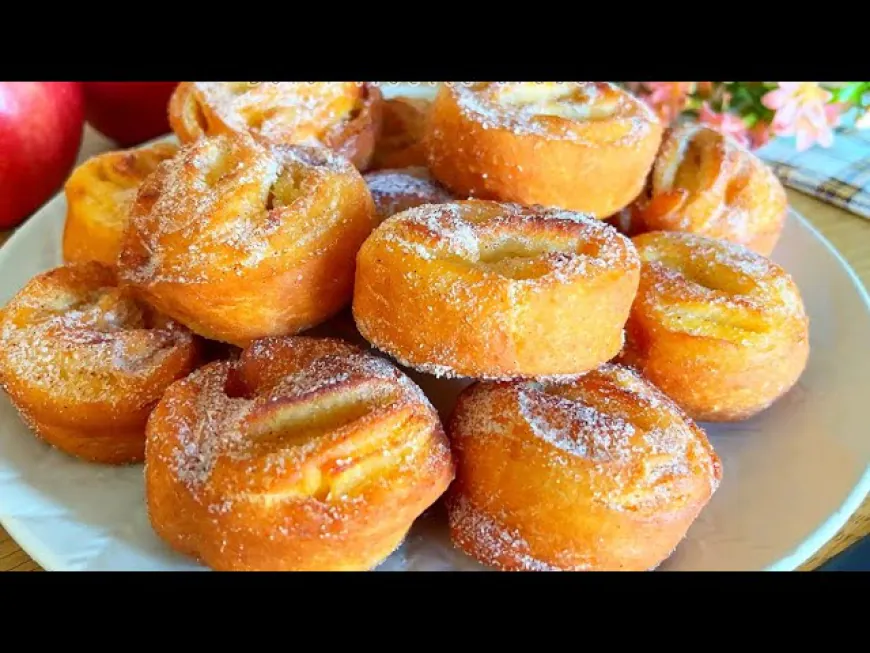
850 234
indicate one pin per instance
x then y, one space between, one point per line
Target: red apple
128 112
41 128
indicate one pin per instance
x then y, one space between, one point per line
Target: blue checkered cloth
839 174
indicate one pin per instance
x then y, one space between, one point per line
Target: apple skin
129 113
41 129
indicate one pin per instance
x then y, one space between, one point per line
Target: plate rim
825 532
39 552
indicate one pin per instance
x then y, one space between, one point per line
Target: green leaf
850 93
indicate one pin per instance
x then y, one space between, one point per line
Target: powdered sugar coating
700 286
615 421
565 110
607 446
706 182
306 453
567 244
482 265
230 397
239 240
282 112
79 354
394 191
99 194
234 204
500 542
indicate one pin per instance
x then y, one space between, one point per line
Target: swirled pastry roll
239 241
495 290
98 197
85 363
720 329
342 116
704 182
304 455
604 473
584 146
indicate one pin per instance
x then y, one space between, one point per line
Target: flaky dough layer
584 146
491 290
604 473
304 455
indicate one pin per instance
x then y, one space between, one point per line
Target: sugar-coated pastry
343 116
400 143
705 182
394 191
604 473
585 146
84 363
484 289
306 454
719 328
98 196
238 240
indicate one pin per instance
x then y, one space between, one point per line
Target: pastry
584 146
304 455
84 363
400 142
239 241
705 182
343 116
720 329
98 196
394 191
484 289
604 473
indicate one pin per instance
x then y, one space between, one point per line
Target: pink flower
668 98
727 123
803 111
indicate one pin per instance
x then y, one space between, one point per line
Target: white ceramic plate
792 476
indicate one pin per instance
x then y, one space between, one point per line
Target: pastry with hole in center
719 328
495 290
584 146
239 240
305 454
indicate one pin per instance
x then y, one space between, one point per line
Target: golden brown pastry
394 191
239 241
98 196
604 473
584 146
343 116
304 455
705 182
84 363
720 329
400 142
490 290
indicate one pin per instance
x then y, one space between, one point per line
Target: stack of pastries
598 281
